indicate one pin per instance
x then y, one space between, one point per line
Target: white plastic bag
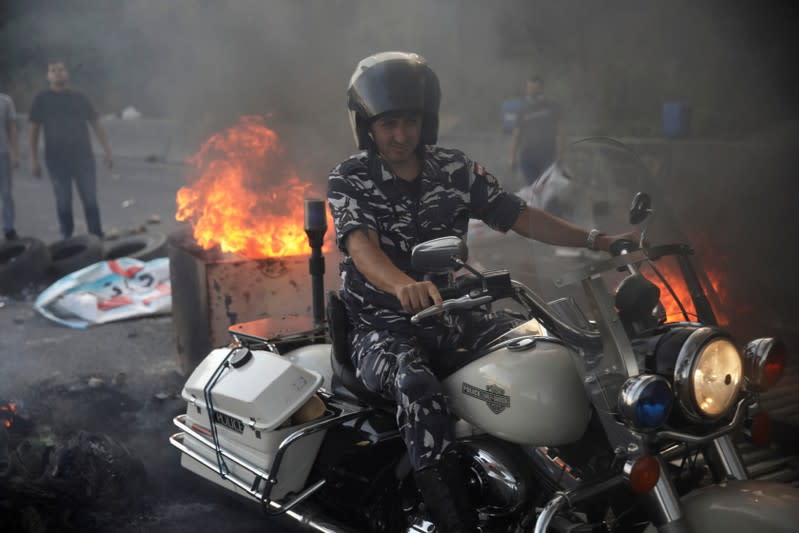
107 291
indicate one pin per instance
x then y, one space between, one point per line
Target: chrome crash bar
740 414
571 498
178 440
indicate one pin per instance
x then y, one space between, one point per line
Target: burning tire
22 262
143 247
75 253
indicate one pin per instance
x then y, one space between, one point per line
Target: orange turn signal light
644 474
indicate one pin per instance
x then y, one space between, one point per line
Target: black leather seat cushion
339 327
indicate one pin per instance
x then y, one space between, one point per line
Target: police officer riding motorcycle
437 412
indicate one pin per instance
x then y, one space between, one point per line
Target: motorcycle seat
345 383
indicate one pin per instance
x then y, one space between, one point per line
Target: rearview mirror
439 255
640 208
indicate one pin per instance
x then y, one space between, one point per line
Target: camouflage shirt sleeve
487 200
348 198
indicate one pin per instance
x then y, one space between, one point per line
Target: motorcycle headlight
708 375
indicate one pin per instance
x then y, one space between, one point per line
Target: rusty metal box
212 291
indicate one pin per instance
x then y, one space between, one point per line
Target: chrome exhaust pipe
310 518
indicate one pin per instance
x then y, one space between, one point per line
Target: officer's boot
445 496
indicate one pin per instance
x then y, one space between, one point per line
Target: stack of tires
29 262
23 262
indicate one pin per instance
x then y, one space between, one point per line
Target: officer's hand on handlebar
417 296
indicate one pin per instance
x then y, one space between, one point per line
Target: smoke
292 61
610 64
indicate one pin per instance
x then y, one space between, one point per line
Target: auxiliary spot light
645 401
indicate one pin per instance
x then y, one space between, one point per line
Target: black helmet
393 81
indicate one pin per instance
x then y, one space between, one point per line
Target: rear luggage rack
336 414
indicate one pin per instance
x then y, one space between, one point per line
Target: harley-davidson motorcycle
623 421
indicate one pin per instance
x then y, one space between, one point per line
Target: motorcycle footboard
263 480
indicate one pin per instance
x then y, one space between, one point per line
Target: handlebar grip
622 245
450 293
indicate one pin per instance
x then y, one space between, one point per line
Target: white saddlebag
253 406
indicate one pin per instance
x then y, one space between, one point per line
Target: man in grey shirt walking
9 158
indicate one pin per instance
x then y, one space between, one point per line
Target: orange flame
247 199
671 271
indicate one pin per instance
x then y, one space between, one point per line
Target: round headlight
708 375
717 377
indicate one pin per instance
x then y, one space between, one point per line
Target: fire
671 271
246 199
7 413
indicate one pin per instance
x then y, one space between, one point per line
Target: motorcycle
564 423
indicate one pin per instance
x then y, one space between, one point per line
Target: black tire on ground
23 262
75 253
143 247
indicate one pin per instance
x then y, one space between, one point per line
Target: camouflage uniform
391 356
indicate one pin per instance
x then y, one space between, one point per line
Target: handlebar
586 339
622 246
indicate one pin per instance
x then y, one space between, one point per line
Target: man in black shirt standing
535 132
9 158
64 114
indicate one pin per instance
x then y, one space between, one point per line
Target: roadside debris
49 483
107 291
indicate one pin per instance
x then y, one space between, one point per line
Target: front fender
746 506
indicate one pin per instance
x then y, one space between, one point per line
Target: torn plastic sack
106 291
551 191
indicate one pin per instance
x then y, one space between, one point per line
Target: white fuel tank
526 391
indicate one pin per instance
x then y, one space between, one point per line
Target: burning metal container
211 291
246 256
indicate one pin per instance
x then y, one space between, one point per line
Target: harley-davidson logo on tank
493 395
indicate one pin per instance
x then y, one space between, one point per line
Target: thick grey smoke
610 64
292 60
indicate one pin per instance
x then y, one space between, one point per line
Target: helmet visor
390 86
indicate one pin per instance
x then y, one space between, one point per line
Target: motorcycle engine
499 482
